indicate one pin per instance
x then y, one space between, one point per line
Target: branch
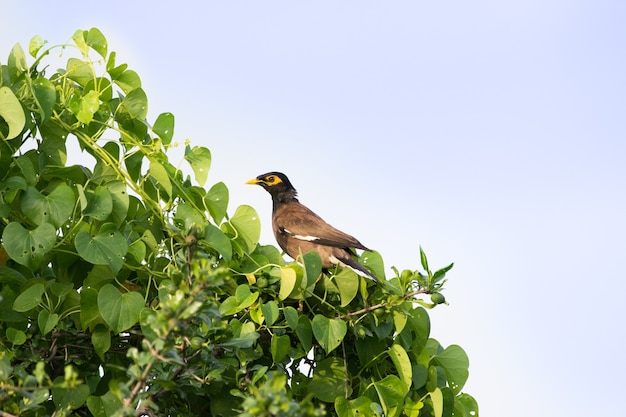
381 305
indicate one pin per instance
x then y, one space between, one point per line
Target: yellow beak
253 181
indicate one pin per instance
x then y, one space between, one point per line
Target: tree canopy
129 287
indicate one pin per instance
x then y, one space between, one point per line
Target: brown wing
299 222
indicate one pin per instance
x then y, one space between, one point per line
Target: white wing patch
301 237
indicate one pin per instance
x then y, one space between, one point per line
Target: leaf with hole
54 208
455 363
28 247
107 247
99 204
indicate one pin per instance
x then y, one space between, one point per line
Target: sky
490 133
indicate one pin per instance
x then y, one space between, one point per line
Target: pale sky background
490 132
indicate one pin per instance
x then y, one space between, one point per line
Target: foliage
127 288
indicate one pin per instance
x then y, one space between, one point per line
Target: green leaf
280 346
328 332
120 200
329 380
79 71
291 315
217 240
216 200
46 97
108 247
242 299
391 392
288 282
119 311
374 261
88 106
27 169
200 160
101 340
304 331
99 204
246 223
347 282
401 361
54 208
11 111
10 276
15 336
137 250
437 398
189 216
127 80
135 104
424 260
360 406
245 297
465 405
97 41
159 173
35 44
441 273
270 312
28 247
11 186
164 127
16 64
455 363
88 306
105 405
47 321
312 268
68 398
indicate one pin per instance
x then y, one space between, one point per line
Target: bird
297 229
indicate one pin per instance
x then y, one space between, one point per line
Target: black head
277 184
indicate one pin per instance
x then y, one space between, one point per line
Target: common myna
298 230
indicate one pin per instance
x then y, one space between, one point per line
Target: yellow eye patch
273 180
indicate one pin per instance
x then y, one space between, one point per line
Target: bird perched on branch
298 230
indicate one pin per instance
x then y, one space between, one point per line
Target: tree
127 288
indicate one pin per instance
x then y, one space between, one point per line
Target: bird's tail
358 268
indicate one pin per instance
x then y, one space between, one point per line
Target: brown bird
298 230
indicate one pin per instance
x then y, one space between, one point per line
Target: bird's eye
270 179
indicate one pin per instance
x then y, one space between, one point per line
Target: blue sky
491 133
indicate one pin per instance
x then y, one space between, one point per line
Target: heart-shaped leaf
119 311
200 160
29 298
54 208
47 321
28 247
100 204
11 111
108 247
216 200
246 223
328 332
164 127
